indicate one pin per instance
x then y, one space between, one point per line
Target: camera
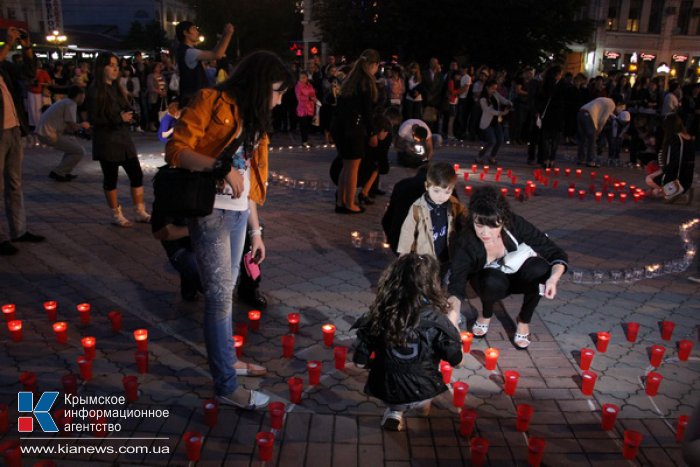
23 34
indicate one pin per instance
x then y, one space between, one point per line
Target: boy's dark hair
75 91
420 132
180 29
441 174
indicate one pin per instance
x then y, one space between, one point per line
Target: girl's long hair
250 85
405 288
672 125
99 86
360 79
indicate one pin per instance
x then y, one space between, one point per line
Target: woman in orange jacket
239 109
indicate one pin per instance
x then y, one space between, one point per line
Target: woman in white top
493 108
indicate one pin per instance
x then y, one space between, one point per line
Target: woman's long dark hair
485 90
488 207
404 288
360 78
250 85
104 102
672 125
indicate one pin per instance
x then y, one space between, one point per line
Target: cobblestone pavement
624 255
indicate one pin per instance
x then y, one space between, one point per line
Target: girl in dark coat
410 330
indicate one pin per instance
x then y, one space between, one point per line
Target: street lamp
57 39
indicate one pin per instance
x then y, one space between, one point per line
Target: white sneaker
119 219
256 400
392 420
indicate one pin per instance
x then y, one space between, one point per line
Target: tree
503 33
260 24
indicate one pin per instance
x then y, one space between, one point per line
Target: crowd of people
229 114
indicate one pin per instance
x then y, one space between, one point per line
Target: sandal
480 329
249 369
256 400
521 341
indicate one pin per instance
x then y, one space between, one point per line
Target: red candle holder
497 177
131 388
61 330
193 445
667 330
602 341
296 386
468 190
567 172
486 169
593 175
456 167
556 171
328 334
517 192
504 192
588 379
653 381
314 368
467 338
591 188
509 173
15 328
466 176
491 358
84 312
513 179
254 318
70 383
616 187
28 381
611 197
510 381
479 449
598 196
50 307
265 441
467 420
535 451
578 173
631 331
525 412
276 411
656 355
211 412
241 329
238 345
685 347
141 338
632 440
586 358
572 192
608 416
288 346
88 344
623 197
141 359
474 168
555 183
293 320
459 393
681 425
531 186
4 418
115 318
340 354
446 371
482 175
581 194
636 197
8 311
85 366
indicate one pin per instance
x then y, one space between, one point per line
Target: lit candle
623 197
657 355
293 320
466 176
667 329
685 347
588 379
141 338
288 345
513 180
84 310
254 318
276 410
141 358
193 445
456 167
15 327
609 415
328 334
61 330
581 194
446 371
459 394
467 420
602 341
586 358
211 412
636 197
611 197
510 380
468 190
616 186
578 173
238 345
467 338
653 382
555 183
115 318
548 171
474 168
556 171
631 331
598 196
491 358
681 426
314 368
517 193
8 311
50 308
593 174
509 173
88 344
504 192
266 442
486 169
572 192
567 172
340 354
296 385
524 412
482 175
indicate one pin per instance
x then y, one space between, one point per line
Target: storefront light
663 68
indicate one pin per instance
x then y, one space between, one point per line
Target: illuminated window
634 16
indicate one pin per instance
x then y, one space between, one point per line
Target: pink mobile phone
251 266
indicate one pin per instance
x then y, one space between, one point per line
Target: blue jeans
493 138
218 241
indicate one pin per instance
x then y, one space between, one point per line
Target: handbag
674 187
184 193
538 120
174 84
513 260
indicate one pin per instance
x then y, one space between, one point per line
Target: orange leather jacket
207 126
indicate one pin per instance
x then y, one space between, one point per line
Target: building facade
643 38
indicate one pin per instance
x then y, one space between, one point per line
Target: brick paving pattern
313 268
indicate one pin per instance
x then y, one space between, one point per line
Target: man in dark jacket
14 126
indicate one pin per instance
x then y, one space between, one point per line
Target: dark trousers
305 128
493 285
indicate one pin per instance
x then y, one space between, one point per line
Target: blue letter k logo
25 403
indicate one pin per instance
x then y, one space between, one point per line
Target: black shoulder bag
184 193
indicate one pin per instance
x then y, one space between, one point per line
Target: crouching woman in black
486 256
